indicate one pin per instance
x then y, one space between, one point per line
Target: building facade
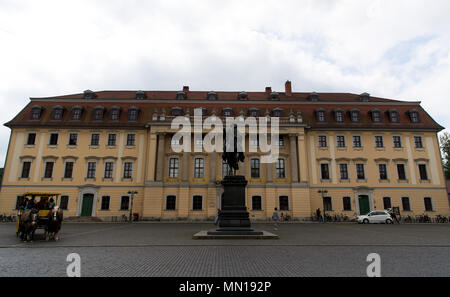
367 153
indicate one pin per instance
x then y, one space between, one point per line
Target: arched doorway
87 204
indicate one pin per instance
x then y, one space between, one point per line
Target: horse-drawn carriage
42 215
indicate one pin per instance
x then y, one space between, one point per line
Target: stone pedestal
234 218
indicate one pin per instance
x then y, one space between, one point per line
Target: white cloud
393 49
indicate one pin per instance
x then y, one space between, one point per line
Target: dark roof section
127 99
222 96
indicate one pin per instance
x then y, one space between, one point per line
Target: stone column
293 157
302 158
160 161
152 157
212 167
185 176
269 177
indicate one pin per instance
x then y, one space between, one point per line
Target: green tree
445 148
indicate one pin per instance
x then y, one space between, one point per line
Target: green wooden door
86 208
364 207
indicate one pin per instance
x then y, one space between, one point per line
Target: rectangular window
174 166
68 170
256 203
347 203
325 173
199 169
26 166
280 168
428 204
281 141
321 116
340 141
95 139
31 140
284 203
133 115
379 141
124 203
131 139
382 169
109 168
423 172
360 174
53 139
401 171
387 202
128 170
76 114
112 139
64 202
91 169
115 114
357 141
19 202
343 171
397 140
255 168
322 141
105 202
197 202
73 138
405 204
48 173
327 204
171 202
418 142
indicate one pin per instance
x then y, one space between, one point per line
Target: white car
374 217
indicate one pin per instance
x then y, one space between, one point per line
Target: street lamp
132 193
323 204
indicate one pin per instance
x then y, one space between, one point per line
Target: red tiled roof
155 100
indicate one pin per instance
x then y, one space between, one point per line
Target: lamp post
323 204
132 193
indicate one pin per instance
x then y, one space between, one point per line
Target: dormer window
243 96
274 96
364 97
277 112
133 113
88 94
314 97
181 96
140 95
36 113
321 116
253 112
212 96
57 113
414 116
339 115
394 116
115 114
76 113
355 116
227 112
176 111
376 116
98 113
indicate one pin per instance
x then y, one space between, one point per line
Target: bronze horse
55 218
28 224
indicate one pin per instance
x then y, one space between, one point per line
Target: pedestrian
319 215
275 219
216 222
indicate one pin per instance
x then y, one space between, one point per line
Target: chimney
288 88
268 90
185 89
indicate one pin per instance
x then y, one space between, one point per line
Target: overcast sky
392 49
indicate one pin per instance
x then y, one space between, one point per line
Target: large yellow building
367 153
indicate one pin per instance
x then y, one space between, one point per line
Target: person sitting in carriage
31 203
51 203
